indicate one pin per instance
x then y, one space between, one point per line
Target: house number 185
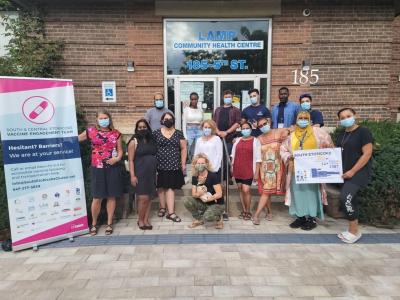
304 76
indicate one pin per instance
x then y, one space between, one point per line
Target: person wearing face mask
255 111
142 151
171 163
207 202
153 115
106 170
317 119
246 160
304 200
357 147
191 119
227 118
210 145
284 113
272 175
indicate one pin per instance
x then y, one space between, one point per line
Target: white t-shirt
212 148
191 116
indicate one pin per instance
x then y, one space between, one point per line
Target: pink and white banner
42 163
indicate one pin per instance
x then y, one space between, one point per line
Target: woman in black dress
171 163
142 151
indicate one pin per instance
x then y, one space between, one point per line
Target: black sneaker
300 221
310 224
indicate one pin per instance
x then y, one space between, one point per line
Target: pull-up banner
42 162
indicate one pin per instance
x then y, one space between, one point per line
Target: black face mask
142 132
169 123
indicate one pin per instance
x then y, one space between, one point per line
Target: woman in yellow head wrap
304 200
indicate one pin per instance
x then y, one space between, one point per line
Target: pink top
103 144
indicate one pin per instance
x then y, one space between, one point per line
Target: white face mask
253 100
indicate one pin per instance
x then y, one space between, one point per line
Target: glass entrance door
204 87
240 89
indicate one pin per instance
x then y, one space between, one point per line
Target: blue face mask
306 105
104 122
159 103
265 128
246 132
347 122
253 100
228 101
303 123
207 131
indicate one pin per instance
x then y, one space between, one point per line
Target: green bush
380 201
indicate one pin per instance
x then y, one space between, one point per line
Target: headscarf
304 138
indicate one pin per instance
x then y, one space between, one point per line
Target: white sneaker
349 238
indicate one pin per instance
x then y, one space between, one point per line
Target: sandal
220 224
93 230
242 215
161 212
196 223
268 217
144 227
247 216
109 229
173 217
256 221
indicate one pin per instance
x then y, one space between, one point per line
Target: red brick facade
356 48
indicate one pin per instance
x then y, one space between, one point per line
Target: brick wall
351 45
356 48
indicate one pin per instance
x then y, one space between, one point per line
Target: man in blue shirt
317 119
284 113
255 111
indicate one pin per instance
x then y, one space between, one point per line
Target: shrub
380 201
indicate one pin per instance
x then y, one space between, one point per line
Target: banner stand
42 161
35 245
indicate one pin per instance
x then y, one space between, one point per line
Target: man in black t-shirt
356 143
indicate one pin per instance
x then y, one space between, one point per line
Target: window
216 47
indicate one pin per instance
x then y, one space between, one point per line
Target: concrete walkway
212 269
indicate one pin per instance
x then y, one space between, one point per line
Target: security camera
306 12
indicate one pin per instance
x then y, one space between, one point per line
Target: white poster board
188 87
318 166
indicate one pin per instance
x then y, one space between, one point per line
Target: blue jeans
193 132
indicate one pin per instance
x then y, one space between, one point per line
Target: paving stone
121 293
247 280
176 281
232 291
308 291
212 280
155 292
193 291
109 283
270 291
141 282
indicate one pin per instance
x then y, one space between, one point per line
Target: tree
30 54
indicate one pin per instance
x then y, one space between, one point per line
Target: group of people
260 145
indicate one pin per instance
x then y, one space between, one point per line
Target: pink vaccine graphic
38 110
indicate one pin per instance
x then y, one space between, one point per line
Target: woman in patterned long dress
271 179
